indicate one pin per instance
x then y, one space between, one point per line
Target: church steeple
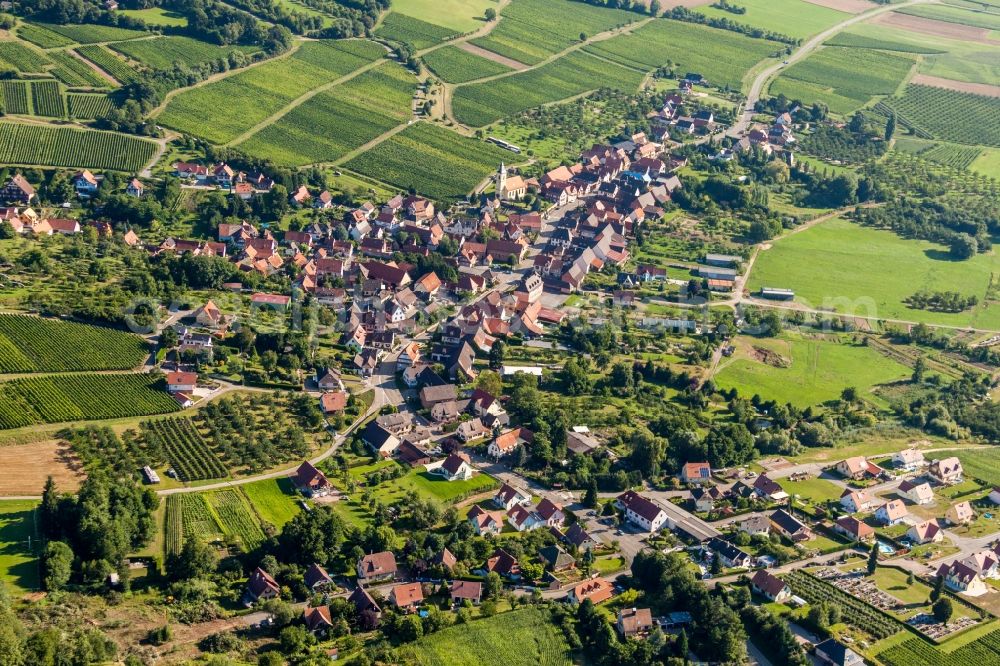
502 179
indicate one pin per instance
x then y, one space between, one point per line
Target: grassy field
92 33
454 65
817 490
488 643
795 18
457 15
987 163
273 500
977 19
433 487
844 79
722 56
846 267
157 16
18 565
817 369
982 464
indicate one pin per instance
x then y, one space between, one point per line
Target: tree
58 564
857 123
938 589
49 509
890 127
943 610
654 8
873 559
919 368
849 394
490 382
493 585
590 497
195 560
574 378
963 246
490 14
682 645
497 353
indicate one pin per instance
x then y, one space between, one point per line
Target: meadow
982 464
157 16
458 15
988 162
336 121
19 568
844 79
59 398
419 34
721 56
34 344
817 369
480 104
163 52
795 18
451 164
273 500
532 30
222 110
977 19
853 40
453 65
65 147
489 641
847 267
950 115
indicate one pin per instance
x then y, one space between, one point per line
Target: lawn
458 15
893 581
842 266
805 370
273 500
817 490
609 564
795 18
18 565
433 487
157 16
978 19
987 163
524 637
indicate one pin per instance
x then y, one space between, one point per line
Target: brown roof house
260 587
465 590
311 481
376 567
407 596
770 586
634 622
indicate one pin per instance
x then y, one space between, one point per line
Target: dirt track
495 57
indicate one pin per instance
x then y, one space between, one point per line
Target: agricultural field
236 517
977 19
458 15
156 16
214 516
110 63
163 52
173 524
198 519
852 40
489 641
982 464
918 652
34 344
93 33
988 162
950 115
419 34
15 97
451 164
949 154
846 267
532 30
27 466
23 58
72 148
795 18
42 36
274 500
339 120
855 611
805 369
453 65
483 103
724 63
185 449
54 399
19 568
74 72
844 79
86 107
224 109
47 99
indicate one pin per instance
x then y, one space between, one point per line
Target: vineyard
950 115
74 72
110 63
479 104
917 652
958 157
84 106
855 612
454 65
72 148
722 56
216 516
237 518
92 33
451 164
15 97
418 34
174 525
48 99
43 37
197 518
34 344
25 402
163 52
23 58
224 109
533 30
185 449
339 120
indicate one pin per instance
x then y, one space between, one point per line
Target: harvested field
849 6
936 28
495 57
960 86
25 467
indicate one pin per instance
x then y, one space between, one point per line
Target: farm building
777 294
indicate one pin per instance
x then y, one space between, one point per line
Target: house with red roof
260 587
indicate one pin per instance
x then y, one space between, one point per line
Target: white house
925 532
646 514
858 500
182 382
508 497
455 467
918 493
908 459
891 513
961 513
947 471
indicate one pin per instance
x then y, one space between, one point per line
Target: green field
815 489
849 268
988 162
339 120
110 62
33 344
489 642
480 104
92 33
532 30
795 18
23 58
950 115
157 16
273 500
451 164
432 486
164 52
976 19
454 65
917 652
458 15
72 148
721 56
18 564
83 106
982 464
817 369
418 34
864 42
844 79
224 109
74 72
42 36
950 154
